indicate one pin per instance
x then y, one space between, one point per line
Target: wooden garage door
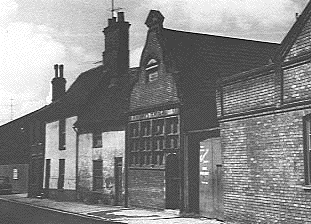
211 189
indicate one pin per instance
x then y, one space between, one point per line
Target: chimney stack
56 70
116 55
120 17
61 71
58 83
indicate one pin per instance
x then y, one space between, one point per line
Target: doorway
210 179
172 177
47 176
118 180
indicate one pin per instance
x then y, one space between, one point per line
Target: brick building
173 153
15 142
264 119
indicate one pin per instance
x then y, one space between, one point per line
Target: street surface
16 213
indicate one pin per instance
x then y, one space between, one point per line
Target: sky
36 34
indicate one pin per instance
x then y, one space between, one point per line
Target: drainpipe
77 160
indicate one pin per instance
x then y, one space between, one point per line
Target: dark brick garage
264 119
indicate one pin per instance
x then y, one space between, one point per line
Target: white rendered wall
53 153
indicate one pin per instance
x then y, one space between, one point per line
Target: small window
307 149
15 174
97 139
152 70
62 134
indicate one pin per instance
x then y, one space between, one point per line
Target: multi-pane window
152 72
61 174
150 139
97 175
62 134
97 139
307 149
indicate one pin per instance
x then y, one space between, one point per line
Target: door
47 176
210 184
118 179
172 177
36 176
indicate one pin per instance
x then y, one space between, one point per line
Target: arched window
152 70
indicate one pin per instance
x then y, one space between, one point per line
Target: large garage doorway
210 179
172 177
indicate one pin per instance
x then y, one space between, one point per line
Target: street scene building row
209 125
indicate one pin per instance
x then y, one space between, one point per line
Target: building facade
15 138
173 153
85 136
264 119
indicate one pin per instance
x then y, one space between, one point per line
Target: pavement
116 214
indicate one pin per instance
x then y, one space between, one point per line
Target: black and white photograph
155 111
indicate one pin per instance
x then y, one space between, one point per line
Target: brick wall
146 188
250 94
158 92
264 169
297 83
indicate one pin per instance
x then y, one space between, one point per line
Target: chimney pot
56 70
120 16
61 71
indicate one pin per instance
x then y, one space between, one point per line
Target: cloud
27 54
243 14
135 56
7 9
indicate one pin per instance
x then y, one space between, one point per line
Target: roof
109 103
76 96
282 51
201 59
224 55
293 33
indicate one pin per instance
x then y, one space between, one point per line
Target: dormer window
152 72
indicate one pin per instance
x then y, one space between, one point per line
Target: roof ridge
219 36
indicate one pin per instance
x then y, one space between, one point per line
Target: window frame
152 70
307 148
97 137
62 134
159 135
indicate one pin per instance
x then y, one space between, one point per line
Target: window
150 139
62 134
97 175
15 174
307 148
61 174
97 139
152 70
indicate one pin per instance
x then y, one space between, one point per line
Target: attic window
152 70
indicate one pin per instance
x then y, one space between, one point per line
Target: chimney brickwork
116 55
58 83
